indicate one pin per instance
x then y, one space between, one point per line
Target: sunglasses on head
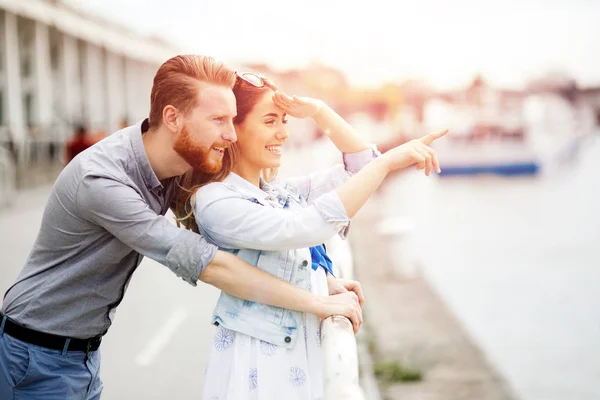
254 79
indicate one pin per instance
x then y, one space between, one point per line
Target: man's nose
229 134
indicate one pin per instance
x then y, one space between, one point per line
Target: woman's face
262 134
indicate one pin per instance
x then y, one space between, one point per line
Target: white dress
241 367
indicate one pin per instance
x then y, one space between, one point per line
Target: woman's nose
282 133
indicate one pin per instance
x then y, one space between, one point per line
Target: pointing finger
428 139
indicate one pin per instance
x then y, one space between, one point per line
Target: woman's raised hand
416 151
297 107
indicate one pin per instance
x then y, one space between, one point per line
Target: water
518 261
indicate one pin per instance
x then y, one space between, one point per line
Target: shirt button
304 263
287 339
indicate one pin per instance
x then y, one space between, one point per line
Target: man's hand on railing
342 286
339 285
345 305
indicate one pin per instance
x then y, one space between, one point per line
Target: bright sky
443 41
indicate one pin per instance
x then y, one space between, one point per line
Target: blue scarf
320 258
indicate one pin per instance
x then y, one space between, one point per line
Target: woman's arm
341 133
344 136
231 221
357 190
356 152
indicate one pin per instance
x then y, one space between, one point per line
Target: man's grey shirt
104 214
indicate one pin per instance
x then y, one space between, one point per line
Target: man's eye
220 119
270 122
285 121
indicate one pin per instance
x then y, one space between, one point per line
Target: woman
261 351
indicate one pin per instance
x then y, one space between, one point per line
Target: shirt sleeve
315 185
231 221
121 210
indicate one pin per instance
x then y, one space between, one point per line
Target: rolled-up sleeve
317 184
234 222
120 210
354 162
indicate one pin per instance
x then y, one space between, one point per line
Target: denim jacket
273 227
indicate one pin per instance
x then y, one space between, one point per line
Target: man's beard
195 155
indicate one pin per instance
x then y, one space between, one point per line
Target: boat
533 134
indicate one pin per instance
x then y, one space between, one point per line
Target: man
105 213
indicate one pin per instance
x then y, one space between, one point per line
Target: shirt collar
239 182
139 152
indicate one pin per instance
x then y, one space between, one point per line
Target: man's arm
120 210
238 278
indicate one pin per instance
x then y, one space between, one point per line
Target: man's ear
171 118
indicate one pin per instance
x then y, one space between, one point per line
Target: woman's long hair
192 180
246 97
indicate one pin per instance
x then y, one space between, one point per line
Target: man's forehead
213 97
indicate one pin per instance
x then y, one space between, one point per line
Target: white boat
537 131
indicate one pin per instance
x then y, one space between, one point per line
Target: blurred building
60 68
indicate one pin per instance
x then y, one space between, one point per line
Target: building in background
60 69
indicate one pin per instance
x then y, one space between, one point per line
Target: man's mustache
224 145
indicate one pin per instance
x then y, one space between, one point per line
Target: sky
443 42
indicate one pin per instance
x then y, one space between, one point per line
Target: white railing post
340 347
337 337
341 360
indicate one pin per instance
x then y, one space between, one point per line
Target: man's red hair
176 83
